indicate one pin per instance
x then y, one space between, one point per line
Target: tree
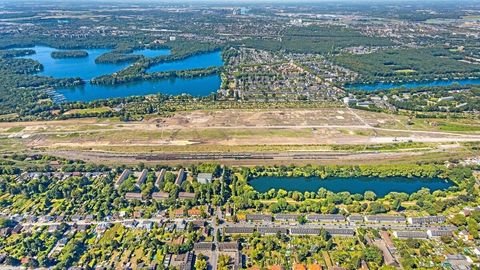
301 219
458 220
223 262
201 262
373 254
370 196
473 227
396 204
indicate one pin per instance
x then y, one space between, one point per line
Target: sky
245 1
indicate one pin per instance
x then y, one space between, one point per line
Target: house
299 267
137 214
476 251
169 227
385 219
305 231
82 227
160 196
340 231
3 257
160 177
52 228
189 260
130 224
186 196
259 217
141 178
458 262
166 260
386 253
410 234
364 265
194 212
102 227
326 218
145 225
355 218
272 230
180 225
228 246
178 212
62 242
17 229
465 235
133 196
205 178
197 223
239 230
180 177
76 218
349 101
203 246
448 98
433 233
24 260
426 220
125 174
5 232
314 267
388 241
287 217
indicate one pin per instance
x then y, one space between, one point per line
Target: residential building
180 177
385 219
133 196
125 174
272 230
239 230
325 218
287 217
160 196
160 177
205 178
426 220
259 217
186 195
410 234
141 178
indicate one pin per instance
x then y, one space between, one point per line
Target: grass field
89 111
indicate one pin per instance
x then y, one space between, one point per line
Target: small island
16 53
116 58
69 54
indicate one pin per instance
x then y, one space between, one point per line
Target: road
223 223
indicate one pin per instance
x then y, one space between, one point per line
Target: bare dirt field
246 131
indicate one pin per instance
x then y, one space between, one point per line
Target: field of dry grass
326 129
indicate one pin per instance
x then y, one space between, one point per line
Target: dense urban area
215 135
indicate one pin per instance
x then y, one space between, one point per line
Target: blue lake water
381 186
411 85
86 68
212 59
200 86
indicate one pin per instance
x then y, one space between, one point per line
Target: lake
200 86
86 68
411 85
211 59
381 186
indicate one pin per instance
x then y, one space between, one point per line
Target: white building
204 178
